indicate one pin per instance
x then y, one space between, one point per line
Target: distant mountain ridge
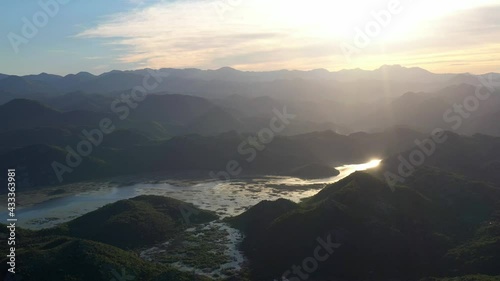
384 72
118 80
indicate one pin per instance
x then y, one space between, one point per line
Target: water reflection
224 198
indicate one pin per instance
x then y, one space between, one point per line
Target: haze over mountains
346 101
193 112
228 81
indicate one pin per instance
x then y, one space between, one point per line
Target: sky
69 36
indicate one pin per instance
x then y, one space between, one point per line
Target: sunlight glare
369 165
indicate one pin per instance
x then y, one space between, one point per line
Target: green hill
137 222
98 246
438 224
70 259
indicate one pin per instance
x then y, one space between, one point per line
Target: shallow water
226 198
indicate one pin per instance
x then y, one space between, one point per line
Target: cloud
207 33
262 34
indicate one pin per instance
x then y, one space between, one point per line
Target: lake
225 198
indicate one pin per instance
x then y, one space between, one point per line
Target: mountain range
217 101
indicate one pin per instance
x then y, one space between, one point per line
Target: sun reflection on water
369 165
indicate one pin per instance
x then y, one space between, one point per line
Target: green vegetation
138 222
94 246
190 249
437 224
69 259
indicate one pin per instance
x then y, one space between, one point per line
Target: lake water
225 198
